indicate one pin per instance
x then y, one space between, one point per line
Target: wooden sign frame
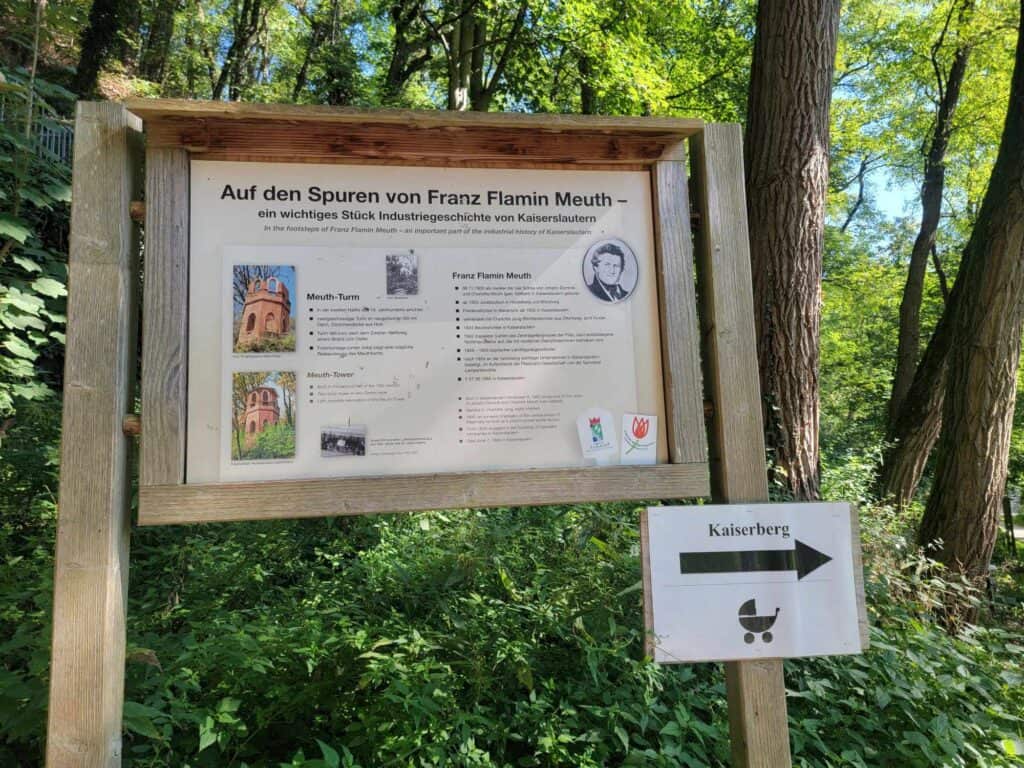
709 364
176 130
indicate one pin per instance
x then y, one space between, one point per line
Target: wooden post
91 568
758 726
165 322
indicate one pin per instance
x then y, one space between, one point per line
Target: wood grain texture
253 155
645 575
680 334
91 568
165 319
267 140
159 109
723 267
858 578
220 502
758 728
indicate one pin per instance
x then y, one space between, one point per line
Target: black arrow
802 559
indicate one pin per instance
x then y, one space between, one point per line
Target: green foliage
277 343
861 296
35 187
28 476
503 638
274 442
511 638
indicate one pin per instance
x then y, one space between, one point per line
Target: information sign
744 581
361 320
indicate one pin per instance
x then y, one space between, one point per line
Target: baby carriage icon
755 624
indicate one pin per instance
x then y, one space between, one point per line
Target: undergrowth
510 637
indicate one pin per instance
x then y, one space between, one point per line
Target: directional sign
752 581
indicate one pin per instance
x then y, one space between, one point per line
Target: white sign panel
747 581
360 320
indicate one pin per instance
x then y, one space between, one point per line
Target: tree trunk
105 20
461 42
973 450
316 31
482 88
909 344
912 435
246 24
786 151
410 50
158 41
588 96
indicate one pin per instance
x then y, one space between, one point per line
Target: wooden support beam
152 110
377 143
327 497
91 568
165 321
680 334
758 727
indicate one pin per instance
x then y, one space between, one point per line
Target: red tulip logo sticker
637 432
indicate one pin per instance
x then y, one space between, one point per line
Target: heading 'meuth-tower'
266 311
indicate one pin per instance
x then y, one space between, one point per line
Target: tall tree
786 151
411 49
973 450
248 15
157 43
106 18
913 423
949 81
478 39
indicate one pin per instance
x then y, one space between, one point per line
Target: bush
274 442
510 637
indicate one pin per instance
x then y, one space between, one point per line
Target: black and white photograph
610 271
403 274
342 441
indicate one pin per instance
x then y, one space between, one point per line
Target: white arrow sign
741 581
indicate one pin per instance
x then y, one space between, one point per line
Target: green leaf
37 198
138 719
49 287
623 736
229 705
332 758
207 735
60 192
671 729
20 348
22 321
26 302
27 264
14 228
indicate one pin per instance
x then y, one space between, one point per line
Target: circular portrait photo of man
610 270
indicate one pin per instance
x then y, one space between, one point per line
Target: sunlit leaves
35 188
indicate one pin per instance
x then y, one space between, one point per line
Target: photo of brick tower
263 415
262 299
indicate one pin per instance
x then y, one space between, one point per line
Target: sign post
352 312
753 581
91 565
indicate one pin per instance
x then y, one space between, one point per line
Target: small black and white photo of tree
403 275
